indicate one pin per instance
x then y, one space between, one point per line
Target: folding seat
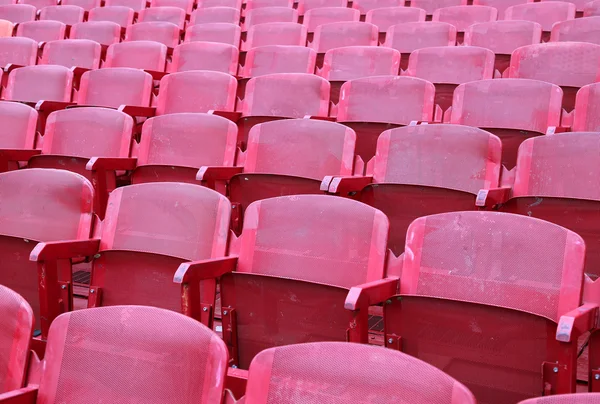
592 8
148 231
354 62
41 205
364 6
214 32
578 30
117 14
449 66
256 4
185 5
579 4
6 29
278 59
18 132
472 274
114 87
269 14
104 32
164 32
306 5
500 5
570 65
68 15
275 33
408 37
464 16
431 5
285 244
385 17
512 109
149 56
82 54
579 398
503 37
16 322
237 4
215 15
218 57
39 4
587 103
545 13
18 52
17 13
174 15
347 33
326 15
305 372
372 105
135 5
87 5
34 84
117 340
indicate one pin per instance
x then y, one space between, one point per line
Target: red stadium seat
587 103
174 15
115 339
592 8
275 33
135 5
464 16
338 34
215 15
581 398
17 13
566 64
33 84
285 245
115 87
278 59
326 15
18 51
38 4
431 5
42 31
579 4
307 5
256 4
503 37
118 14
373 104
68 15
218 57
105 33
364 6
449 66
545 13
146 55
500 5
305 372
164 32
87 5
18 131
578 30
512 109
269 14
491 280
79 53
214 32
16 321
385 17
185 5
236 4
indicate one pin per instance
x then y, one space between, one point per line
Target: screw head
597 376
555 370
63 287
205 309
390 341
234 366
225 312
92 290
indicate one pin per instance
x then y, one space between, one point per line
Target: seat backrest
180 220
349 33
451 64
196 91
587 103
503 37
500 5
544 13
316 238
411 36
360 373
148 55
463 16
275 33
159 31
272 59
255 4
185 5
17 13
508 103
113 87
385 17
214 32
16 322
269 14
68 15
570 64
88 132
174 15
218 57
19 122
72 53
228 15
386 99
562 166
300 147
456 157
579 398
307 5
353 62
268 95
188 140
6 29
326 15
497 259
104 32
135 5
119 337
578 30
592 8
431 5
118 14
36 83
87 5
236 4
364 6
42 31
18 51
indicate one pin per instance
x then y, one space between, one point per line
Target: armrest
111 163
344 185
18 154
10 67
26 395
492 197
582 319
134 111
197 271
51 106
232 116
56 250
215 173
368 294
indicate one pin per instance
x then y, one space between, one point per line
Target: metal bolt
63 287
205 309
92 290
225 313
390 341
555 370
234 366
597 376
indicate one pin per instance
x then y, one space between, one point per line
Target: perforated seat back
353 62
214 32
66 14
104 32
326 15
227 15
72 53
300 147
18 51
17 13
386 99
500 5
447 156
338 34
18 127
175 219
159 31
431 5
464 16
578 30
315 238
35 83
580 398
385 17
503 37
561 166
275 33
545 13
497 259
174 15
410 36
16 323
119 340
306 373
586 103
270 14
218 57
148 55
117 14
278 59
42 31
268 95
364 6
113 87
508 103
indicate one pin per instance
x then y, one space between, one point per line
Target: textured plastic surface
42 31
269 14
104 32
464 16
503 37
17 13
353 62
326 15
410 36
214 32
256 4
18 125
135 5
115 87
592 9
307 5
159 31
431 5
500 5
68 15
236 4
36 83
338 34
214 15
278 59
364 6
146 55
304 373
174 15
545 13
578 30
385 17
87 5
217 57
586 105
185 5
72 53
18 51
275 33
117 14
581 398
